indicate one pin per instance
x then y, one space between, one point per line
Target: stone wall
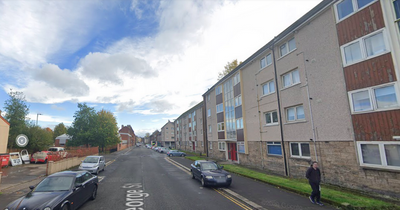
215 153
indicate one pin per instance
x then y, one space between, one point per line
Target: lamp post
37 118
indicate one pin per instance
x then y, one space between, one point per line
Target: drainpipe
309 105
205 136
259 121
279 107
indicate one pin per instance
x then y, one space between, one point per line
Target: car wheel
65 207
193 177
182 155
94 193
202 182
97 171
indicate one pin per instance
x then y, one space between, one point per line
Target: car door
87 185
197 170
76 199
103 163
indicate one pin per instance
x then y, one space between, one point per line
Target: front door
232 153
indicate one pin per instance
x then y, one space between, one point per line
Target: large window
238 100
208 112
220 108
241 147
301 150
229 105
347 7
236 79
396 6
364 48
271 118
295 113
287 47
374 98
220 126
274 148
239 123
221 146
291 78
379 154
218 90
268 87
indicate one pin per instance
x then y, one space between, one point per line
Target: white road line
100 178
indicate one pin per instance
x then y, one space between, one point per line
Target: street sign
22 140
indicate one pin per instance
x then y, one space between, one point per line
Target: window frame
239 100
372 98
219 126
295 114
261 61
355 9
396 12
300 150
382 154
210 145
208 112
287 47
221 146
291 78
236 79
209 128
363 48
218 90
273 123
241 123
274 143
221 106
267 84
241 143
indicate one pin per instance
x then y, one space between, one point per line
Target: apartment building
324 89
168 134
189 130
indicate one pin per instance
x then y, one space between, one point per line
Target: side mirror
78 186
31 187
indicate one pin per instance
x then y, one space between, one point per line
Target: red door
232 153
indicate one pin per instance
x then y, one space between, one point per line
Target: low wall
54 167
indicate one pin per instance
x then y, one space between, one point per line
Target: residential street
143 178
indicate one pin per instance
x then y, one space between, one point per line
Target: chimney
122 126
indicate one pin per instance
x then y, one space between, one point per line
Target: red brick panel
377 126
375 71
361 23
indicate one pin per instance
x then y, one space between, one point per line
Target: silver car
93 164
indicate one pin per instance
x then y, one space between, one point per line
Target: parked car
41 156
164 150
210 174
93 164
175 153
65 190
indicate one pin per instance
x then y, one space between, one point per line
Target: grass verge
194 158
342 199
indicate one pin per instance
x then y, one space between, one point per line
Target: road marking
227 191
237 202
109 162
100 178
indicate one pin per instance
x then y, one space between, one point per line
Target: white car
93 164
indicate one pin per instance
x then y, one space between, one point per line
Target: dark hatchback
66 190
210 174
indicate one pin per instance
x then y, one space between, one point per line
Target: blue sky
145 61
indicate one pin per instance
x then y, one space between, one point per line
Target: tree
60 129
39 139
228 68
16 112
107 130
83 129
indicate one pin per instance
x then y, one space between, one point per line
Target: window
239 123
166 128
210 143
301 150
194 113
195 143
288 47
365 48
269 59
218 90
379 154
208 112
269 87
190 115
238 100
347 7
220 108
208 97
263 62
236 79
202 144
209 129
221 146
396 6
241 147
220 126
274 148
291 78
271 118
295 113
374 98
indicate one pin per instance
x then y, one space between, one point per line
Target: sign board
15 158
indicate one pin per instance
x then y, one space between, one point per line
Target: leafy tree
107 130
84 127
39 139
228 68
16 112
59 130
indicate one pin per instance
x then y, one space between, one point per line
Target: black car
210 174
65 190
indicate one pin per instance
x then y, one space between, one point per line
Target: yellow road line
233 200
186 171
109 162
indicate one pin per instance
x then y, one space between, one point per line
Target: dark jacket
313 175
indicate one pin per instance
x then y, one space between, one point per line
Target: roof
309 15
197 106
4 120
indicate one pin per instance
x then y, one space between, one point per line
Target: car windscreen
52 149
209 166
56 183
91 160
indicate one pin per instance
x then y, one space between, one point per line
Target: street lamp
37 118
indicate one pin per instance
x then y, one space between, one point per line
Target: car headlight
209 177
229 176
47 208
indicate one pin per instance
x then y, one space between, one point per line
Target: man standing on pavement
313 175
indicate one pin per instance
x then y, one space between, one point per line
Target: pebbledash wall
298 99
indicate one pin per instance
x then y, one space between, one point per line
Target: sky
145 61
